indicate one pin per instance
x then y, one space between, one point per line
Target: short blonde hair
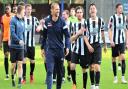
20 8
28 5
54 4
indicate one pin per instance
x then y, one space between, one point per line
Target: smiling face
28 10
55 10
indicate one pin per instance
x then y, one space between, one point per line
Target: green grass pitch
39 75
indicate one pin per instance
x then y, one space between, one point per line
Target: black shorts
118 49
30 52
68 57
16 55
95 57
5 46
82 59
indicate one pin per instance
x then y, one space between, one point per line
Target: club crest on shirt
49 24
120 26
94 31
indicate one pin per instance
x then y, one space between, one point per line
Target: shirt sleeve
126 23
86 32
110 23
13 31
36 22
102 25
43 42
67 35
44 31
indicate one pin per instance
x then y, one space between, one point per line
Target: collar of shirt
18 18
50 17
27 17
119 15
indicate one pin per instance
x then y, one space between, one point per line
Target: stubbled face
55 11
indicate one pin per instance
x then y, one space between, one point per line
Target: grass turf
39 75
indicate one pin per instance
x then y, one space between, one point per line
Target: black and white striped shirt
30 26
94 29
118 26
70 30
79 45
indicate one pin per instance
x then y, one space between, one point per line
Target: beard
57 14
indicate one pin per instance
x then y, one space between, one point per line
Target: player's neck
55 18
8 14
119 14
28 16
66 19
73 16
80 19
93 17
19 16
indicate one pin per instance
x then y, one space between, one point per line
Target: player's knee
122 57
13 65
84 70
113 59
73 66
6 54
97 67
19 65
92 67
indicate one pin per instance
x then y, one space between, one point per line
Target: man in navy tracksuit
54 29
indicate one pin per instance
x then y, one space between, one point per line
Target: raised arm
41 25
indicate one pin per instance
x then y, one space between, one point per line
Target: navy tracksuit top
53 33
